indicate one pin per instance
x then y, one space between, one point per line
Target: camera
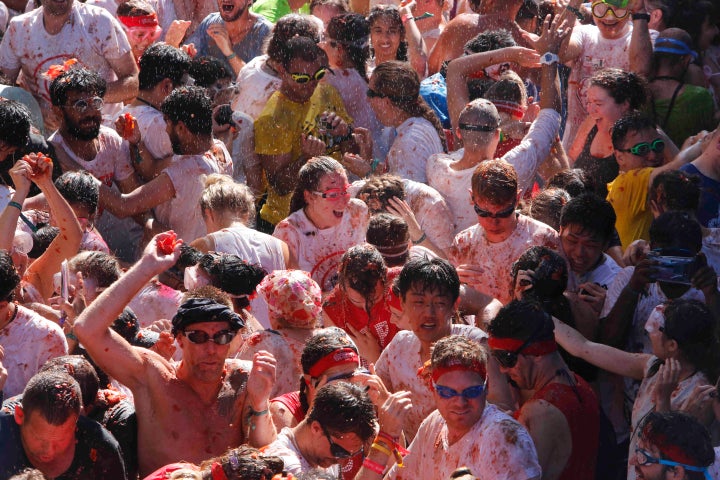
674 265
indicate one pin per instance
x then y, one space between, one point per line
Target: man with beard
64 29
175 193
82 143
233 34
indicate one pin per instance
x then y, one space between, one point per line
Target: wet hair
384 187
509 88
676 190
572 180
352 31
631 122
457 350
430 274
309 178
246 463
521 319
594 215
53 394
549 280
209 292
287 27
76 79
318 346
546 206
692 325
223 194
134 8
400 83
79 187
100 266
667 7
684 433
496 181
342 407
81 370
341 5
389 233
232 275
691 17
676 229
207 70
490 40
392 15
669 59
301 48
14 123
361 268
9 278
192 106
42 238
160 61
622 86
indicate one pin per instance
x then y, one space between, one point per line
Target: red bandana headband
140 21
512 344
512 108
667 449
341 356
456 365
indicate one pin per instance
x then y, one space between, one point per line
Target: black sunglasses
337 451
509 359
223 337
501 214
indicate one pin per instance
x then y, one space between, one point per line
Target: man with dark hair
47 432
162 69
83 143
58 31
429 290
303 119
233 34
195 409
640 150
175 193
29 340
340 423
587 224
672 445
563 415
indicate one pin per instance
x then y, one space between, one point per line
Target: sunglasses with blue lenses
644 148
223 337
468 394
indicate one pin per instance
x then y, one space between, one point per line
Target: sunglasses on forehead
305 78
644 148
198 337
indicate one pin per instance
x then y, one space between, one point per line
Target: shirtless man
198 408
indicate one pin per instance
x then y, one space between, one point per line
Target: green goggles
644 148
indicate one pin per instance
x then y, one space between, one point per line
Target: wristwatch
641 16
549 58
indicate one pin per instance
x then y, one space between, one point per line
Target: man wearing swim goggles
523 343
642 153
464 430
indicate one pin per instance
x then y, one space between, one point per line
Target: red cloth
291 400
164 472
342 312
582 412
504 147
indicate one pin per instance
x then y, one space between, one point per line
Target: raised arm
20 174
417 52
641 49
125 88
548 45
608 358
110 351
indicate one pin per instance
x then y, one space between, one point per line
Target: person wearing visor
620 38
189 410
680 109
642 152
464 430
673 445
563 415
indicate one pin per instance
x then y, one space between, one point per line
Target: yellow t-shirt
278 130
628 196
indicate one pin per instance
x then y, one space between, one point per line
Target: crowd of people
359 239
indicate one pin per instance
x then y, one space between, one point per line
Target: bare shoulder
540 414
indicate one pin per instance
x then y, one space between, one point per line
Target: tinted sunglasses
223 337
334 193
509 359
305 78
82 105
643 458
642 149
468 394
336 450
601 9
501 214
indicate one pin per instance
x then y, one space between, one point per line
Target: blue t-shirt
707 212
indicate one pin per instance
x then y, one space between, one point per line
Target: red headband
456 365
341 356
667 448
140 21
512 344
512 108
217 472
